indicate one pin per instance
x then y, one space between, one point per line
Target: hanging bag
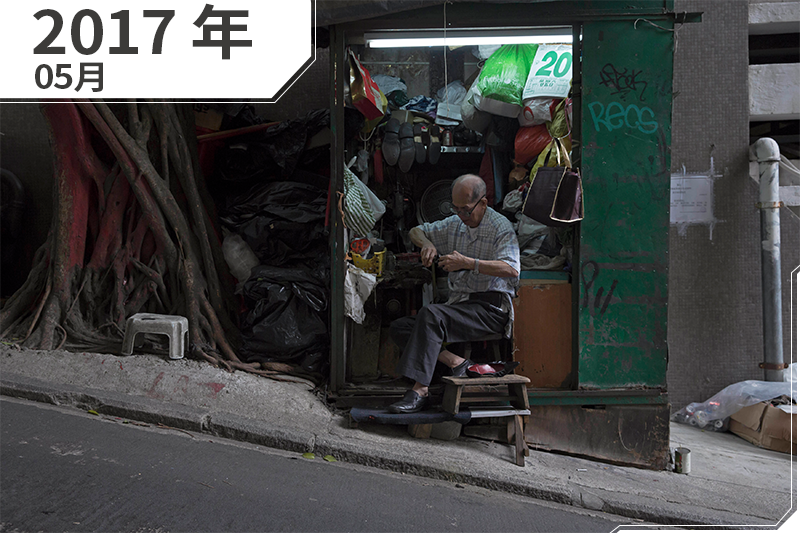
555 197
364 92
354 205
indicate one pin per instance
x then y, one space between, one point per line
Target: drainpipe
766 152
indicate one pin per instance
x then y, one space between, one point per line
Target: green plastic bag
505 72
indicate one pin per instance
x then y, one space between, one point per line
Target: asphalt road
62 469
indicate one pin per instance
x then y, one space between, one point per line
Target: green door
626 112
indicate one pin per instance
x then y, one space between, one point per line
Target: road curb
108 403
254 431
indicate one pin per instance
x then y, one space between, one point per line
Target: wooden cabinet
543 333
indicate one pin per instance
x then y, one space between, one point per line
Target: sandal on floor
391 142
406 158
420 135
434 145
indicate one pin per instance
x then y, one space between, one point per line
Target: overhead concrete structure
775 92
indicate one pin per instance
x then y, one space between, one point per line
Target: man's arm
428 252
456 261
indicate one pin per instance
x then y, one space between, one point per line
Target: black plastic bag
286 317
246 161
281 221
271 153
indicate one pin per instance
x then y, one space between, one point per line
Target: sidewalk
731 483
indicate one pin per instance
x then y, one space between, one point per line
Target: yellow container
373 265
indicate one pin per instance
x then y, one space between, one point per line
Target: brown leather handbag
555 197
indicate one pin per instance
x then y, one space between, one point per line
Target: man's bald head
472 183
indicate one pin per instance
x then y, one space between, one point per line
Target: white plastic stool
175 327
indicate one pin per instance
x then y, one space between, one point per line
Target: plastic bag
281 221
550 74
512 202
389 84
358 286
529 142
790 373
239 257
356 210
537 111
472 117
269 153
503 78
712 413
556 153
378 207
448 112
287 314
364 92
560 126
454 93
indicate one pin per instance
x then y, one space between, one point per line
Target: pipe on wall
766 152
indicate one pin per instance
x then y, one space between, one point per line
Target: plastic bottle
239 256
702 418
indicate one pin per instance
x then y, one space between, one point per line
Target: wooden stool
461 391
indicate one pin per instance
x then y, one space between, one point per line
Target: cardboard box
766 426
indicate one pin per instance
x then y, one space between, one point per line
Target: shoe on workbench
459 371
411 403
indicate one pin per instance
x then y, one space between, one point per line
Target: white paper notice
691 199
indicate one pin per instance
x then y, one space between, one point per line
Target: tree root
134 230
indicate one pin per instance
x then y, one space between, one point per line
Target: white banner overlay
115 49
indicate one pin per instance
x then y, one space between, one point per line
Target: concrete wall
715 330
774 16
773 91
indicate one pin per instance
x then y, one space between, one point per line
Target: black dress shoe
461 370
411 403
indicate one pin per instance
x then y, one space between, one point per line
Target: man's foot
459 371
411 403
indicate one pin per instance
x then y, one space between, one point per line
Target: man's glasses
463 211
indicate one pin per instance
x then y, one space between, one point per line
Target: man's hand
455 261
428 254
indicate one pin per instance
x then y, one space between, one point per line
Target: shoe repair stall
591 324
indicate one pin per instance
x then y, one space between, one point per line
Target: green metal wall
626 110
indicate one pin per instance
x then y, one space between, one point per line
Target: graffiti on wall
599 304
616 115
623 82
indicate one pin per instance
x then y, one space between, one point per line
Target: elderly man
478 248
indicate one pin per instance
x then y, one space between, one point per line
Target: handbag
555 196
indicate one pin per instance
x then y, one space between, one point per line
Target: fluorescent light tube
405 39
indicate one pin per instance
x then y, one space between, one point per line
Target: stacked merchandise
517 106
